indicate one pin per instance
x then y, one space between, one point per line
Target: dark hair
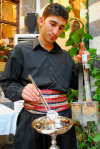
55 9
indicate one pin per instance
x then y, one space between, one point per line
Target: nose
56 31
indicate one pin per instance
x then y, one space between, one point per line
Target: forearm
12 90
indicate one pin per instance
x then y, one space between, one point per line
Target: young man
53 71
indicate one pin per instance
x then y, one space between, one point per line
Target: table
8 118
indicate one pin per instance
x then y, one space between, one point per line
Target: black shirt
50 70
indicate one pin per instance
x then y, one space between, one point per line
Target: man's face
52 27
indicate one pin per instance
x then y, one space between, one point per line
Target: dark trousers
27 137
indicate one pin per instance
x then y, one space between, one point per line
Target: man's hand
30 93
78 57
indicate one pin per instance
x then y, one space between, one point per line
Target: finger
33 88
34 92
78 58
29 93
86 52
28 98
81 48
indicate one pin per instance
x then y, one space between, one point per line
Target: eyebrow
56 23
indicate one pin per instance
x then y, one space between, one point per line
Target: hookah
52 124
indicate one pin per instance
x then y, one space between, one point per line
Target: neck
48 46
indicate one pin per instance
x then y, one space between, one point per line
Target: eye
53 24
61 28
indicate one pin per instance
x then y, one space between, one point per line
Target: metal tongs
41 96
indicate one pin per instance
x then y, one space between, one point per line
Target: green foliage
3 52
69 8
89 137
96 137
62 35
51 1
67 26
95 73
72 95
74 41
77 38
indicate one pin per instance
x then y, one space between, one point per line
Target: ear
41 20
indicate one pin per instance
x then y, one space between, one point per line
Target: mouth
52 37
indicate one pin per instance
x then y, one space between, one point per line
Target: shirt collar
56 48
35 42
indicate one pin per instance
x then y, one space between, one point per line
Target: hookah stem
41 96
